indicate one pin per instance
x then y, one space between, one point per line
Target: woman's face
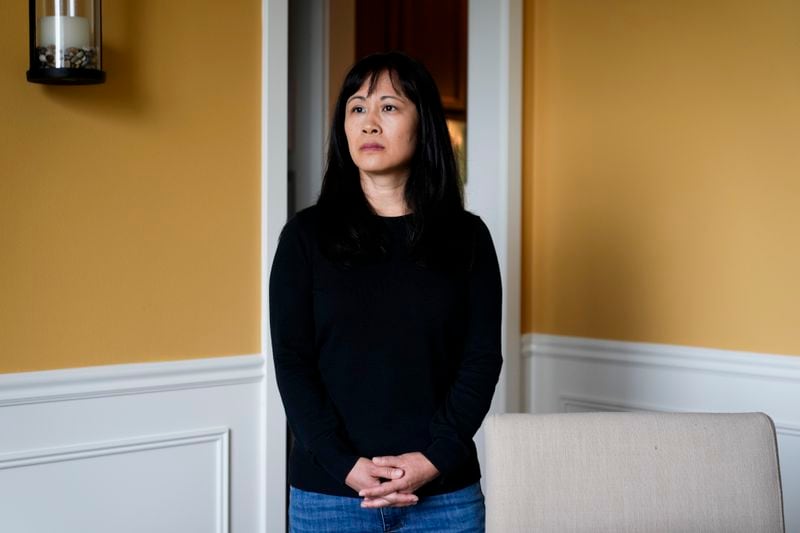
381 129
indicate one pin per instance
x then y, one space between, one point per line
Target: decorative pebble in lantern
65 42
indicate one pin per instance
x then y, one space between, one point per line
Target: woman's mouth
371 147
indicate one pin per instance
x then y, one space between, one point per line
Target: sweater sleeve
457 420
309 410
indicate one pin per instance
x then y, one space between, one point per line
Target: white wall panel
174 447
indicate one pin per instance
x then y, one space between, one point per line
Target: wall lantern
65 42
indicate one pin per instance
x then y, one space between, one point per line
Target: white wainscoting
566 374
158 447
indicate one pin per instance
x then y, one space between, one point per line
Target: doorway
291 180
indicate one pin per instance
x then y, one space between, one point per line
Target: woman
385 309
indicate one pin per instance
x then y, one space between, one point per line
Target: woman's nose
370 127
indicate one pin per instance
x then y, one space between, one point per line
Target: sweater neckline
398 220
399 217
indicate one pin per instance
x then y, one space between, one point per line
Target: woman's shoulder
483 244
477 225
301 224
297 236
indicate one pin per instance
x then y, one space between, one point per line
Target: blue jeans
460 511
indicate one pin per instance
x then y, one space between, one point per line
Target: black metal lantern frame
65 39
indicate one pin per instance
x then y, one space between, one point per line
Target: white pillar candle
64 32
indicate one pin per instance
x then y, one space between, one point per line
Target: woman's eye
389 107
357 109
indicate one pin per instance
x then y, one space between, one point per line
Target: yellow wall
129 211
662 171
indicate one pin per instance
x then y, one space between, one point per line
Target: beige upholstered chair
632 472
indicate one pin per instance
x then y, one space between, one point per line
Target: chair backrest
632 472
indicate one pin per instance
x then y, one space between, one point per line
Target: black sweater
384 358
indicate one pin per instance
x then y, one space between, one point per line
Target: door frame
494 158
494 169
274 208
494 162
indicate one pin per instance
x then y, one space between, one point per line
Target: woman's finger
394 499
387 472
387 460
385 488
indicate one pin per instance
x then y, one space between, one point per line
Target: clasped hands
406 473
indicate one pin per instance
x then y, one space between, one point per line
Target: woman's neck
386 194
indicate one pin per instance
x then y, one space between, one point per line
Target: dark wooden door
432 31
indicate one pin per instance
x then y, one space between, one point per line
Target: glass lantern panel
67 35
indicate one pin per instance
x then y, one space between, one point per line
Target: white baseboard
565 374
130 448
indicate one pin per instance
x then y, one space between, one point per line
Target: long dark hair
440 230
